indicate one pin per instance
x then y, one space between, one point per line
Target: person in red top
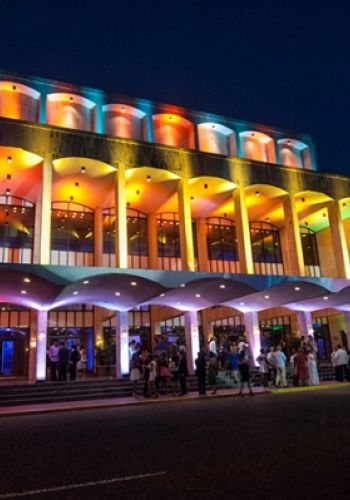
301 366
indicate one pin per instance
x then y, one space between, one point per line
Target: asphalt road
270 446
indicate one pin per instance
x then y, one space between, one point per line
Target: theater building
122 218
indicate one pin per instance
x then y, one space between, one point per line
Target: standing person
272 364
212 371
74 358
263 368
212 346
146 359
341 360
281 359
164 373
135 372
183 372
301 367
200 362
312 366
63 361
174 371
243 365
81 366
293 368
152 377
233 360
53 357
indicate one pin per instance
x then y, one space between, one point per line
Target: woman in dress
301 367
312 366
263 368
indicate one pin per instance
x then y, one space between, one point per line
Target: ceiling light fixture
86 282
297 288
26 280
83 169
117 294
266 297
9 159
133 283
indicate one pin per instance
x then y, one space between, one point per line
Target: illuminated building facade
123 218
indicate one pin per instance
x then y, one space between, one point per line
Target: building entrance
13 352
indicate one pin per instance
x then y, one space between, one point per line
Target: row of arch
69 110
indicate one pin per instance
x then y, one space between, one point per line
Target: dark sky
282 63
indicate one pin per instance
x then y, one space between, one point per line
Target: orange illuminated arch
122 120
294 153
216 138
173 130
70 111
18 101
257 146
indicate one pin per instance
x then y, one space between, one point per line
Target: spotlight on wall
8 177
14 87
83 170
71 99
213 126
122 109
205 186
344 204
149 178
170 117
9 159
257 193
252 134
192 197
137 191
8 191
71 198
303 200
324 215
289 142
76 184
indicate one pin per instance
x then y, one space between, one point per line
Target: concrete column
41 342
121 228
339 245
202 244
347 325
152 241
292 249
186 238
192 339
304 322
42 230
251 323
98 237
122 343
243 232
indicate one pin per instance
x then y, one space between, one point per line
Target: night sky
281 63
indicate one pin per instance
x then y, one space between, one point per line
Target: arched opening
70 111
72 234
19 102
310 252
293 153
257 146
122 120
16 229
222 245
216 138
266 248
173 130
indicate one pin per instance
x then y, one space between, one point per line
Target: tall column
32 347
251 323
347 325
304 322
292 248
121 228
186 237
98 237
243 232
121 343
41 342
192 339
339 246
42 230
152 241
201 232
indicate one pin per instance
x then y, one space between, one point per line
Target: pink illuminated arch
294 153
173 130
216 138
70 111
257 146
19 101
126 121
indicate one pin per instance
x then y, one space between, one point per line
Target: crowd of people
63 361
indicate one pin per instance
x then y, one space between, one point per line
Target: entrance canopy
48 287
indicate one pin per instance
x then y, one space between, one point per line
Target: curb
90 405
311 388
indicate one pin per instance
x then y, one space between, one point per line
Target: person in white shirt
281 359
272 364
53 356
341 360
212 346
